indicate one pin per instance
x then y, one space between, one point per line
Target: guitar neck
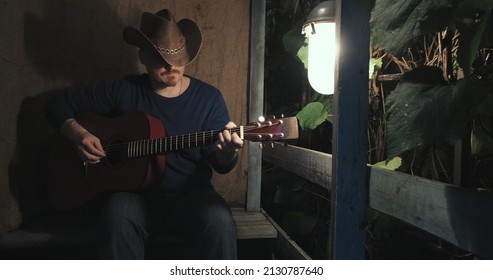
270 130
149 147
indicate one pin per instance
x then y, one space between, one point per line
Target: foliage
425 110
432 105
312 115
430 84
298 206
442 50
395 23
319 109
392 164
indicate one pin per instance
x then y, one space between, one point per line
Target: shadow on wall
27 171
69 43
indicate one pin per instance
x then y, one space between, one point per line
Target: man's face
160 71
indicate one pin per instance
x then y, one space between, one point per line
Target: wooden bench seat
251 225
62 229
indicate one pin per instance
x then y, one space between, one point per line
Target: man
184 202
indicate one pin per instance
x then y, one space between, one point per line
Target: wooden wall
48 46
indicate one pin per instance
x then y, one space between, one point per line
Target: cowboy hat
177 43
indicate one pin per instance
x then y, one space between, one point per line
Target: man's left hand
228 144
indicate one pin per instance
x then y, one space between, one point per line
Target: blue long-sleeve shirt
200 107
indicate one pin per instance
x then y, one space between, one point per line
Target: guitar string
170 141
201 136
174 140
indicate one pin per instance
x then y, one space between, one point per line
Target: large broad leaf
394 23
312 115
424 110
327 101
474 21
296 44
293 40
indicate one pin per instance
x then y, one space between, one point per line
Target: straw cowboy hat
177 43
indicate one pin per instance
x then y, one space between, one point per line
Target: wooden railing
458 215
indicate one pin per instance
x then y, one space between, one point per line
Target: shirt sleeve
218 119
99 99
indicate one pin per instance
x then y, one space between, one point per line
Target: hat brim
189 29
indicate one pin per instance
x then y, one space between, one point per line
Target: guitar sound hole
116 152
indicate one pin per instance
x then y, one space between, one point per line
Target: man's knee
219 220
123 210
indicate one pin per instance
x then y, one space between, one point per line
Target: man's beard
171 78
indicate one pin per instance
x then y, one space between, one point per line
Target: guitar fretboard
149 147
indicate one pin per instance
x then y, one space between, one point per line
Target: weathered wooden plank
63 230
349 194
256 100
255 231
286 246
245 219
246 223
252 225
458 215
309 164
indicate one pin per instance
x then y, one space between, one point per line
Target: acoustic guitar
135 144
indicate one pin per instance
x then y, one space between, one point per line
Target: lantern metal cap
324 12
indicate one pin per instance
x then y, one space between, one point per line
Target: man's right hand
87 145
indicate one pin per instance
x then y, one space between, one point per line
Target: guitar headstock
271 130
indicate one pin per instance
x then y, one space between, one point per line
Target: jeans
202 216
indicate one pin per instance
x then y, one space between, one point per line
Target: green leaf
394 23
312 115
375 65
303 54
293 40
392 164
473 19
481 142
327 101
424 110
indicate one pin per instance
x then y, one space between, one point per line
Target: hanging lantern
320 30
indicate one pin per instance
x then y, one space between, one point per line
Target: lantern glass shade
320 29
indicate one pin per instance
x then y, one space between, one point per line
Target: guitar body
71 183
135 146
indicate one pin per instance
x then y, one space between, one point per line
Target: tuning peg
261 146
261 119
272 145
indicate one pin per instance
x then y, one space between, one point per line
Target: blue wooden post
350 183
256 100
